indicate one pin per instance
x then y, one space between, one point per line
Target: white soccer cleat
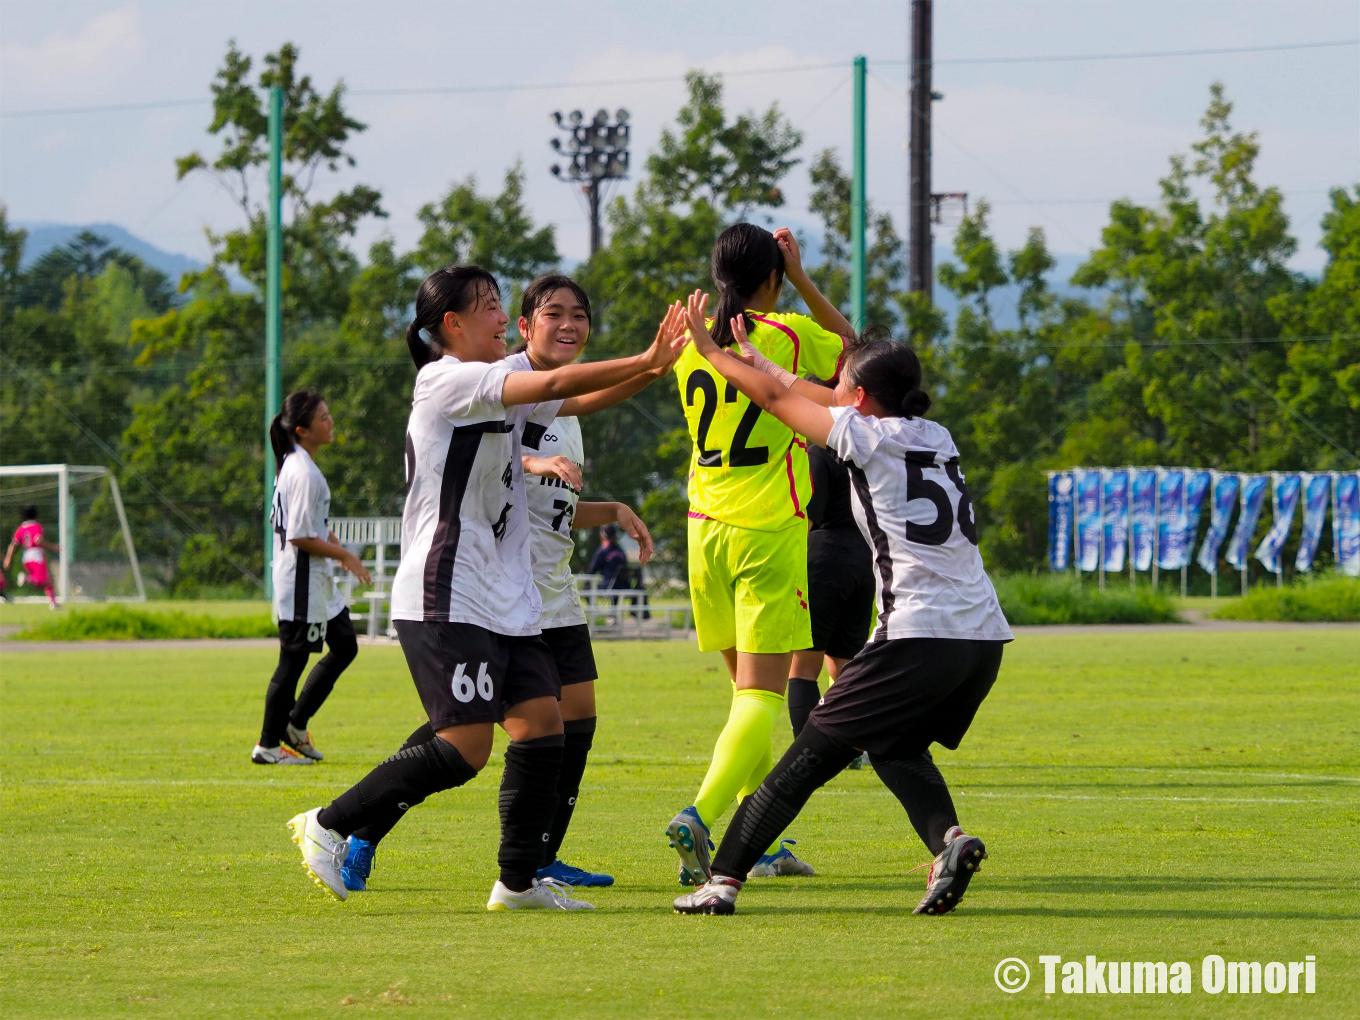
323 852
544 894
280 755
301 742
951 871
716 896
780 864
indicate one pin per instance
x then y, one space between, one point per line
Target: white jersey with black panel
465 527
552 508
914 510
304 585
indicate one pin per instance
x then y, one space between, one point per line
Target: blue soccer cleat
358 864
574 876
689 836
780 863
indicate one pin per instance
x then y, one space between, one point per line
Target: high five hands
670 340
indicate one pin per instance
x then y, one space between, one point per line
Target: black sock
278 700
321 680
917 783
578 735
812 760
802 698
528 802
397 785
375 832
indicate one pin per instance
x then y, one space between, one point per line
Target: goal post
65 474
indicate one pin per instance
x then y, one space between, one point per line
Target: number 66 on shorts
466 674
465 690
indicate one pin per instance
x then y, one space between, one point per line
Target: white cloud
73 65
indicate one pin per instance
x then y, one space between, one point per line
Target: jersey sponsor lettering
747 468
913 507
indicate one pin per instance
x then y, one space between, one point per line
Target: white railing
610 612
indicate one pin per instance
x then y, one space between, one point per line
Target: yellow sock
757 776
744 743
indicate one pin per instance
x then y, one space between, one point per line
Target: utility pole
597 153
858 266
920 273
273 319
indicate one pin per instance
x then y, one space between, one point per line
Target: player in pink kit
29 537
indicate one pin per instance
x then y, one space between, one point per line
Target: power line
1057 58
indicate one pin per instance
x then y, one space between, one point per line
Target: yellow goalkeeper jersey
747 468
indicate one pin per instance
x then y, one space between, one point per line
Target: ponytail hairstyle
890 372
299 408
539 291
451 289
744 256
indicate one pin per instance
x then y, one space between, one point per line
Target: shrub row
1328 598
118 623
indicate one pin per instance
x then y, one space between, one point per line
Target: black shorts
896 697
466 674
302 638
840 592
571 650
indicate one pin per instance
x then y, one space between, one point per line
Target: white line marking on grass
1087 796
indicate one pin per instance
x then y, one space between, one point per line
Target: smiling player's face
477 333
559 330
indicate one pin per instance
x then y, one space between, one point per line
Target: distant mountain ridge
43 237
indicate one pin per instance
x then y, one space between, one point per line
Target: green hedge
1328 598
118 623
1030 599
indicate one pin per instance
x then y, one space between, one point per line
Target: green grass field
1145 796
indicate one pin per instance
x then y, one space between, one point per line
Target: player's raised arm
671 330
772 396
826 315
575 380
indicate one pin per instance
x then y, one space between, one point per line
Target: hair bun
916 402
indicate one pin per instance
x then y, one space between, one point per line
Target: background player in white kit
555 321
309 607
936 649
464 602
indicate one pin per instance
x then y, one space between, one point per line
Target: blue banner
1315 491
1283 502
1196 487
1251 499
1171 551
1221 505
1115 485
1142 521
1060 519
1088 519
1346 522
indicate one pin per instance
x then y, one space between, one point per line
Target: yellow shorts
749 588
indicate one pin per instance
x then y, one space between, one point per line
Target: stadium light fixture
595 153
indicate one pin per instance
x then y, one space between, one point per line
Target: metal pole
273 318
858 223
592 191
920 272
64 532
127 535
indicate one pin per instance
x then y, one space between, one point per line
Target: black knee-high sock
802 698
528 802
812 760
578 736
917 783
375 832
397 785
278 700
321 680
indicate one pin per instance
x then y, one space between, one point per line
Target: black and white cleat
951 872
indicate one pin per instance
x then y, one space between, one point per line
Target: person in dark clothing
610 562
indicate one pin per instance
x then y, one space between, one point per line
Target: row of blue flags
1099 516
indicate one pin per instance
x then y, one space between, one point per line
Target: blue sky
1049 144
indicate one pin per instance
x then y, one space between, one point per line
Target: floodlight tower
596 154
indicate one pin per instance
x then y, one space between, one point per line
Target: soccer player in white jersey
555 322
308 605
464 602
936 650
